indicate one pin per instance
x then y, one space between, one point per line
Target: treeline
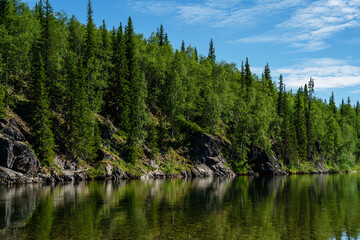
73 75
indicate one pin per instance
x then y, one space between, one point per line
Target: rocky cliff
19 164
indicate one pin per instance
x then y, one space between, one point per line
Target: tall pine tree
41 122
211 54
137 90
300 124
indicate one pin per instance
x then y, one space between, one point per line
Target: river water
294 207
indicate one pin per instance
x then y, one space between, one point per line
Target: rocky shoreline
19 165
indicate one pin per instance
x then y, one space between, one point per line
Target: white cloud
328 73
223 4
311 22
260 11
154 7
216 13
309 27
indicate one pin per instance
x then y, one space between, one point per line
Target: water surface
295 207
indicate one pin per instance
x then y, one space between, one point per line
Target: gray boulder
266 164
207 157
14 153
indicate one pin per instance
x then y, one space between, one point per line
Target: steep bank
19 164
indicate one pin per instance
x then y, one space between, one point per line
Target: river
292 207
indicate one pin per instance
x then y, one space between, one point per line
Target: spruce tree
95 84
281 96
310 119
161 36
105 55
51 57
342 108
7 19
248 75
211 54
137 91
74 39
332 104
196 56
119 91
268 80
90 35
82 131
300 124
183 46
166 40
41 122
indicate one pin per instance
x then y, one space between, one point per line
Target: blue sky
298 38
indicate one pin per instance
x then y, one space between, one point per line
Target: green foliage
137 93
152 139
41 122
81 122
2 102
173 163
76 74
211 54
300 124
96 172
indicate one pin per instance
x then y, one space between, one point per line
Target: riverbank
19 165
106 171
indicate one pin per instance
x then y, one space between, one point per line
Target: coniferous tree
105 55
196 56
183 46
300 124
82 130
268 80
332 103
288 131
137 90
310 119
119 91
281 96
247 74
95 84
342 108
90 35
166 40
7 42
211 54
75 36
51 56
174 92
161 35
41 122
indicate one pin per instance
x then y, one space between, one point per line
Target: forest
70 81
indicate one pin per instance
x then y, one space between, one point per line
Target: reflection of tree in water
17 203
295 207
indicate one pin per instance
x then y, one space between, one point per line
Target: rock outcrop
207 158
15 154
266 164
